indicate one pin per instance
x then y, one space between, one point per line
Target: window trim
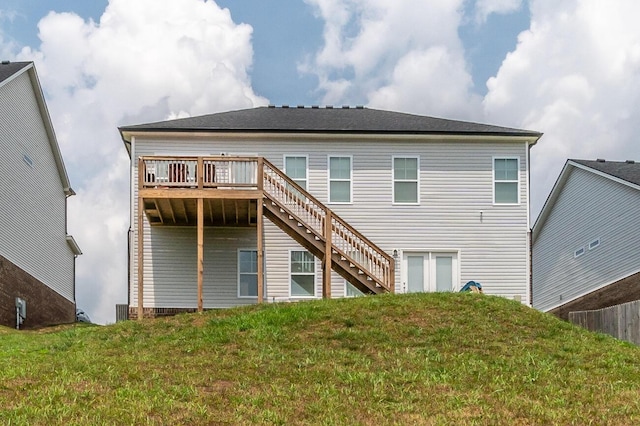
580 251
238 272
393 181
594 244
306 159
315 271
329 180
493 179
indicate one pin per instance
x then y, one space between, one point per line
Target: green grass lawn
392 359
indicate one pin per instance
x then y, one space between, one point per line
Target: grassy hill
393 359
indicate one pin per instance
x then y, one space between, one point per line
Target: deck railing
200 172
242 172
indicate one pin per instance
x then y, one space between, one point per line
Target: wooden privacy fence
620 321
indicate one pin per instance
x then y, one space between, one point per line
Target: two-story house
357 200
37 256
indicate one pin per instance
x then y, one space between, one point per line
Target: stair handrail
312 204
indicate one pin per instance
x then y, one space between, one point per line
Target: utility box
21 311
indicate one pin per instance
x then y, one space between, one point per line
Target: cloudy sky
567 68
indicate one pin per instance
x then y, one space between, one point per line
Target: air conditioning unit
21 311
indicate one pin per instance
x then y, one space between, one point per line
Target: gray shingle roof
625 170
9 69
326 120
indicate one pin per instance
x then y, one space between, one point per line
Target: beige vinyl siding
32 200
456 185
589 207
170 266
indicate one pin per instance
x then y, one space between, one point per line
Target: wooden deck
241 191
171 186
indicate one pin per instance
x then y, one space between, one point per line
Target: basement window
593 244
579 252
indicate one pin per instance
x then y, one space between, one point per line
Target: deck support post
326 261
392 276
260 248
140 245
260 229
140 251
200 231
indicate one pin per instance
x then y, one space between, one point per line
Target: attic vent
329 107
315 106
27 160
285 106
359 106
5 62
630 162
600 160
301 106
345 106
271 106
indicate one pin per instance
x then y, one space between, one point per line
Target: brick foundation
623 291
44 306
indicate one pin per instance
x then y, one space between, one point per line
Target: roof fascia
127 134
15 75
46 119
605 175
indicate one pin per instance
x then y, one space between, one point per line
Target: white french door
429 271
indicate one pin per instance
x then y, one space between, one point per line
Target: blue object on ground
472 286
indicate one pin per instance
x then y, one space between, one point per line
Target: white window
296 168
579 252
302 274
339 171
593 244
247 273
506 181
405 180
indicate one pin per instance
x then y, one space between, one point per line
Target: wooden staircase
318 229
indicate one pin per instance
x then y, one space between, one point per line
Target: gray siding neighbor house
585 240
37 256
357 200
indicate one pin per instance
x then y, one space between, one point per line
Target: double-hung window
247 273
339 179
296 168
405 180
506 181
302 269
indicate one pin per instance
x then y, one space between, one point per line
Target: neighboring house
399 202
585 240
37 256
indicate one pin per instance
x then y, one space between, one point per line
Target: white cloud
484 8
403 54
143 61
574 75
432 80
